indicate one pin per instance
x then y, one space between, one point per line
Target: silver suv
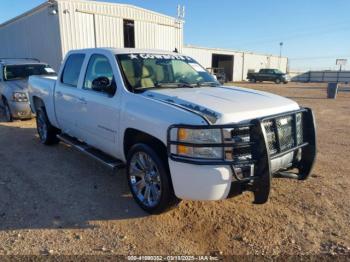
14 75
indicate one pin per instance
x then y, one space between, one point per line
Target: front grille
271 136
284 133
238 135
300 137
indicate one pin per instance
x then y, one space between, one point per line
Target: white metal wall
204 57
86 24
243 61
32 36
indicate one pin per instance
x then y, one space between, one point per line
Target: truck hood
223 105
17 85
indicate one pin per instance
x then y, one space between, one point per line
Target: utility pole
181 12
279 60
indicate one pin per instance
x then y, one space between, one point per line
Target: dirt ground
54 200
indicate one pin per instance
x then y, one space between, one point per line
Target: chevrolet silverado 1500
180 134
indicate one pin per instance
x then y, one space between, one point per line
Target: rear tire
253 80
277 80
149 180
47 133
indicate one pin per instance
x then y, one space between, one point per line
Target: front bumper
21 110
272 149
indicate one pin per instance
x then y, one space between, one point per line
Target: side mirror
103 84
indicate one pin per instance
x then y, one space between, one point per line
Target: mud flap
308 155
261 187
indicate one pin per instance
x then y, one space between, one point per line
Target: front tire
47 133
149 180
278 81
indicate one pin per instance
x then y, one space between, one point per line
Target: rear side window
72 68
19 72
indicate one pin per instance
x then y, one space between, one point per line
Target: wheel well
3 98
134 136
38 102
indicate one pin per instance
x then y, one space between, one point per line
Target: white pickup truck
180 134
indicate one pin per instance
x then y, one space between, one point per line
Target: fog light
242 172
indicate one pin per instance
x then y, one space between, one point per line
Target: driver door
99 115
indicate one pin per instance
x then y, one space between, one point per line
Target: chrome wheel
41 126
145 179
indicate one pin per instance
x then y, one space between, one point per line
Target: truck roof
19 61
119 51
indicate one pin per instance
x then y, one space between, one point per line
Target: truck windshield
147 71
18 72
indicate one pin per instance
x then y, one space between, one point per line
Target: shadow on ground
56 186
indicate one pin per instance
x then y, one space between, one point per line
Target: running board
105 159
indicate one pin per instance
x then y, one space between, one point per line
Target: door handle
82 100
59 94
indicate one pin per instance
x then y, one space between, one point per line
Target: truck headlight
197 143
20 97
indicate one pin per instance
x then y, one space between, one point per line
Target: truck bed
42 87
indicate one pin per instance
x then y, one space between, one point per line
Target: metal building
236 64
50 30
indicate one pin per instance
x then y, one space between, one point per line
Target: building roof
31 11
118 51
52 2
229 50
116 4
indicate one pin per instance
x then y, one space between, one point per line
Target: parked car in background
179 132
219 74
14 75
273 75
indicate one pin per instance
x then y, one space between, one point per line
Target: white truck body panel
230 104
45 93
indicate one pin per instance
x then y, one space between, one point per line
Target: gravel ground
54 200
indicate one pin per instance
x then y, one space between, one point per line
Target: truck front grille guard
251 147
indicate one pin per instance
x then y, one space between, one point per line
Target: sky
314 32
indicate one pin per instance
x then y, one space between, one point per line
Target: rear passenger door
67 94
99 114
271 75
263 75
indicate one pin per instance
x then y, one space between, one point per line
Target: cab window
72 68
99 76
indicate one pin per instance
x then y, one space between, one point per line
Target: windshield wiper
175 85
211 84
156 86
165 85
